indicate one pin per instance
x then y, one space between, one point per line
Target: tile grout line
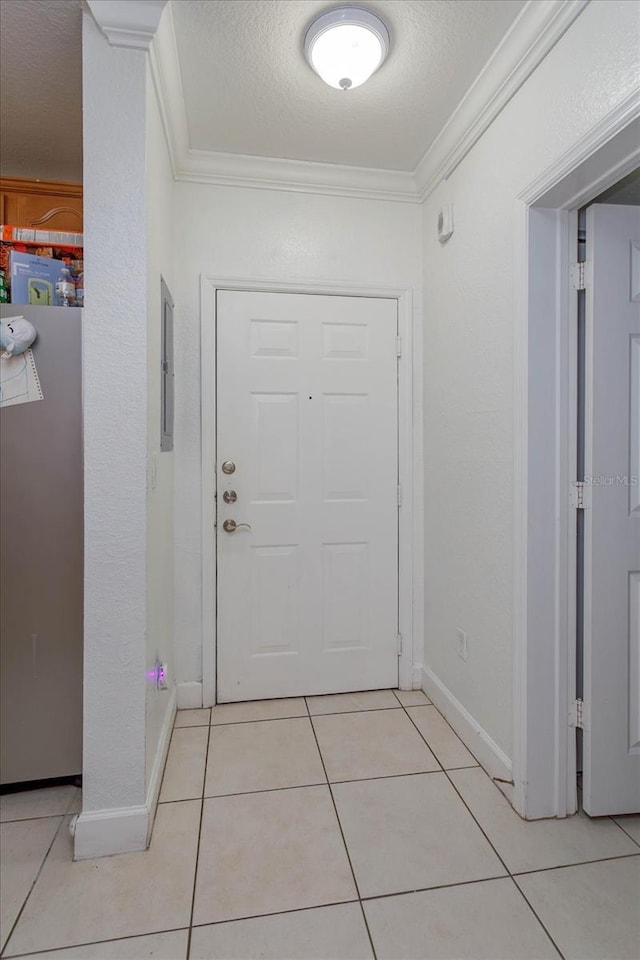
320 783
485 835
197 863
272 913
452 731
535 913
92 943
626 832
35 880
45 816
579 863
344 840
425 703
297 716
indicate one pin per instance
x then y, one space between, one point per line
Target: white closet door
307 414
611 759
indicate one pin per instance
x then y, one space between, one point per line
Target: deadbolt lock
229 496
228 466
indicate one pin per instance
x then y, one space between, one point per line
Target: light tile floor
348 827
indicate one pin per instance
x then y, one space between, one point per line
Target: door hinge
579 495
576 714
398 346
577 276
399 493
399 647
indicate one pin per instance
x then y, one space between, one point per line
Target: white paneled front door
611 757
307 592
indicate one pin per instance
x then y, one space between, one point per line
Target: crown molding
128 23
297 176
533 34
262 173
167 80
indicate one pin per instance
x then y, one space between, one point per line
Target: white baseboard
190 695
155 780
486 751
416 676
104 833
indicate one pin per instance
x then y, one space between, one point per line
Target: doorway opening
549 668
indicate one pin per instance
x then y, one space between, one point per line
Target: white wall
159 639
245 233
470 290
115 423
128 483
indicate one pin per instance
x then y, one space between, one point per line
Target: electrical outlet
162 679
462 643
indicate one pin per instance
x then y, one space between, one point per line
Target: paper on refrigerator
19 381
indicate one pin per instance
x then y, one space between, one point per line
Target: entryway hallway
347 827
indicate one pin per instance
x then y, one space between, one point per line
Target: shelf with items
41 267
48 216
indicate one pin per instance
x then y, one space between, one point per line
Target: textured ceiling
41 84
248 89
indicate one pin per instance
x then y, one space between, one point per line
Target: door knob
228 466
229 496
231 526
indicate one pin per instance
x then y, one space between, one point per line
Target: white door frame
409 424
544 760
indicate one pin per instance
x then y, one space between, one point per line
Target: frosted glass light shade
346 46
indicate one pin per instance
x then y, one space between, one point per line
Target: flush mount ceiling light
346 46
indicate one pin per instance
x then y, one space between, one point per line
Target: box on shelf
56 238
70 257
33 279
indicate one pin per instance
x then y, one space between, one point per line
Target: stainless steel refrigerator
41 559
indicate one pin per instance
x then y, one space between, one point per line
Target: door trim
544 756
410 560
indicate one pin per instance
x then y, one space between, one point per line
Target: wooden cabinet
41 203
